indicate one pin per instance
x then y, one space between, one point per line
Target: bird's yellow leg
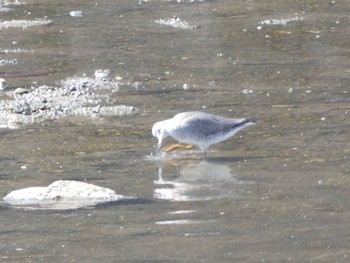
174 147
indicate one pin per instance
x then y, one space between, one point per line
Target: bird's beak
160 139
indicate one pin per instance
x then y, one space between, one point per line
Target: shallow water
276 192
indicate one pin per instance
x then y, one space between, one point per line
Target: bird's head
158 131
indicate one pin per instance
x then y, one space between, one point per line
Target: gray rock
22 108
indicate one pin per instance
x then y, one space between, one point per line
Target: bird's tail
245 123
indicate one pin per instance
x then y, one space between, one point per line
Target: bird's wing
207 125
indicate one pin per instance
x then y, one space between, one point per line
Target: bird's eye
159 131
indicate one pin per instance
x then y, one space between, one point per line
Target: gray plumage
199 128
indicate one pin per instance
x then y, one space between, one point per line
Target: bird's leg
158 149
174 147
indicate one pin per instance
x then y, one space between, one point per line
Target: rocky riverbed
76 96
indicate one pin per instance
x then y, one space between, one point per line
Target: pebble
3 84
21 91
78 13
175 22
247 91
22 108
101 74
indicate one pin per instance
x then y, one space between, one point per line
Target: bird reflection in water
195 180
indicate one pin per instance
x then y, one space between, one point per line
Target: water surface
276 192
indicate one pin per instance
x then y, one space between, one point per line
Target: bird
198 128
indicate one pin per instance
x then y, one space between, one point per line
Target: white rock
175 22
78 13
102 73
21 91
3 84
62 194
247 91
